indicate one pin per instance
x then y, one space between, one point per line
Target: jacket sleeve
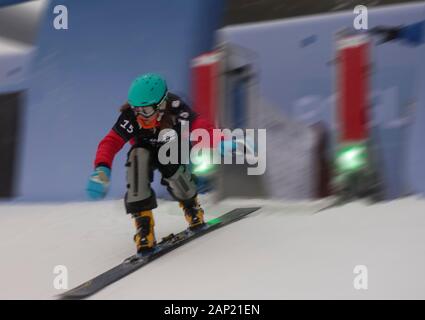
201 123
108 147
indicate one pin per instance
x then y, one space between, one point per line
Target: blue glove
237 146
98 184
227 146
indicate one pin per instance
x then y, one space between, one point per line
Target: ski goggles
149 111
145 112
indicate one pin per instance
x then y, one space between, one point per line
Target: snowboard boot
145 236
193 213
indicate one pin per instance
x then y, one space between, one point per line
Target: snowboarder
150 109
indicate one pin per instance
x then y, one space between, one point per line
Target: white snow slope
281 252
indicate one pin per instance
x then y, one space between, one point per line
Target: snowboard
166 245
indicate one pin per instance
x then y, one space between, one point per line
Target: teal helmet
147 90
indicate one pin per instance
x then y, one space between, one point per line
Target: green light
202 163
351 158
214 221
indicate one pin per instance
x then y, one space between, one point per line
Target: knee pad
181 184
139 196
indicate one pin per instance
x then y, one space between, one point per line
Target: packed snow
282 251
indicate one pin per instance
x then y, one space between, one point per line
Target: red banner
205 79
353 87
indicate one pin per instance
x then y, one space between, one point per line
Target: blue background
80 78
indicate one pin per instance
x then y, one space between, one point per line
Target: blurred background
249 64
